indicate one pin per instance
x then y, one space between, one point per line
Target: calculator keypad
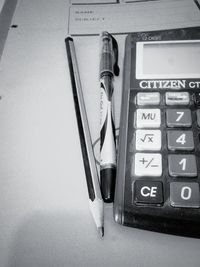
165 150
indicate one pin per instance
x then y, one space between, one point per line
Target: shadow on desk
68 239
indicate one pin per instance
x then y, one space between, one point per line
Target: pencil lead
101 231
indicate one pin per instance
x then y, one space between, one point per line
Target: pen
108 68
92 179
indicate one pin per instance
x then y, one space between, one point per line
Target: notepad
130 17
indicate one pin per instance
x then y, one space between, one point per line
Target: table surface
44 213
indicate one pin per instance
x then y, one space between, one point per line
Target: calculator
158 165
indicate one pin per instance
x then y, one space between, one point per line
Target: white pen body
107 147
107 140
108 69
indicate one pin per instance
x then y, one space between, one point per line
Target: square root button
184 194
148 192
148 140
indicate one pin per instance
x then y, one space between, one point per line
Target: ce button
148 192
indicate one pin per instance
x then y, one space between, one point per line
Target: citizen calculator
158 166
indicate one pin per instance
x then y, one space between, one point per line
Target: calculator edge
118 206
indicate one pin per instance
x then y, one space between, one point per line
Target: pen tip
101 231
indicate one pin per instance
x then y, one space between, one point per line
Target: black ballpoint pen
108 68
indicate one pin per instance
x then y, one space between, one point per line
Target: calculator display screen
177 59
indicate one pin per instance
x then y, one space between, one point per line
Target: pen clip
116 68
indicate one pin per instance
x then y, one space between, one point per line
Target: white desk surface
44 213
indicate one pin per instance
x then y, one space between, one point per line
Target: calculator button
148 140
198 117
177 98
196 98
148 164
148 99
180 140
148 192
148 118
178 118
182 165
184 194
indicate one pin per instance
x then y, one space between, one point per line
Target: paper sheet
1 4
77 2
130 17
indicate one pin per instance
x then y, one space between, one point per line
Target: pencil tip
101 231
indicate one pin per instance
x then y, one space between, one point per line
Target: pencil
92 177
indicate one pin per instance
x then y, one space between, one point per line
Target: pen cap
106 56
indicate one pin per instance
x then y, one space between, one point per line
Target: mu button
148 192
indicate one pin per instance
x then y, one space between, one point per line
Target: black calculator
158 166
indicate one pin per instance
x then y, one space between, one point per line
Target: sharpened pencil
92 177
